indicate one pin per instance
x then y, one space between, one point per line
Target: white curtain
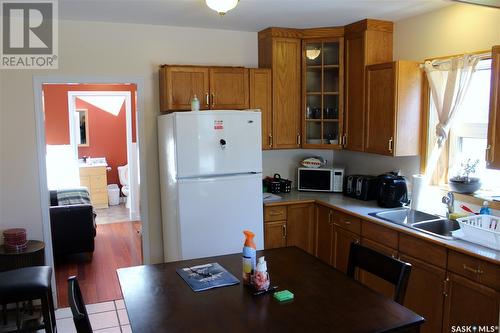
448 81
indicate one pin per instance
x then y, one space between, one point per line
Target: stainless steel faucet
449 201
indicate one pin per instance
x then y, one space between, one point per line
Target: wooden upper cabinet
283 55
216 87
367 42
178 85
493 151
286 92
261 98
393 108
322 92
228 88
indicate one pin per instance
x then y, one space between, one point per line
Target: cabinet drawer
99 199
274 213
423 250
474 269
347 222
98 182
91 171
380 234
85 181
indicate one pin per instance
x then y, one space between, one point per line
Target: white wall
371 164
451 30
286 161
102 49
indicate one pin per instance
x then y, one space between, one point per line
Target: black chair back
77 305
387 268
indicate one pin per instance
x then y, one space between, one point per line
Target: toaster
361 187
392 191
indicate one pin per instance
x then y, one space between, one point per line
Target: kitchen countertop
361 209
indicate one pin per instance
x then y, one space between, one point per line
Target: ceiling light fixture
221 6
312 54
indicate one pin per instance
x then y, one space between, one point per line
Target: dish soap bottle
195 104
260 280
485 210
249 253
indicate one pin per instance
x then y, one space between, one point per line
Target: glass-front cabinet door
322 93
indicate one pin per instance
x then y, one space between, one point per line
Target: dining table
158 300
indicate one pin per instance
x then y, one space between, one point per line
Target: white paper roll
417 192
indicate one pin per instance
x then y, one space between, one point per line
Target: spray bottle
249 253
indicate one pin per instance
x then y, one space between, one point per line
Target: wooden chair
77 305
387 268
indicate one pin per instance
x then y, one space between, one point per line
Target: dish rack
480 229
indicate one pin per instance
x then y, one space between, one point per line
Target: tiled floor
113 214
106 317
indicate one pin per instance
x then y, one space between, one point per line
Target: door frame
132 170
38 82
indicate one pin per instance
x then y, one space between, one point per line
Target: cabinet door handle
270 140
488 154
213 99
274 213
344 140
207 99
391 140
298 139
330 217
347 222
283 230
445 287
472 270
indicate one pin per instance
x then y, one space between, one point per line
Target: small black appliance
392 191
361 187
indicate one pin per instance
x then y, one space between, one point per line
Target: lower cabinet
342 245
274 234
333 240
301 227
447 288
469 303
290 225
96 181
425 293
324 234
372 281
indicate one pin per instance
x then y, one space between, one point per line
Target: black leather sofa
73 225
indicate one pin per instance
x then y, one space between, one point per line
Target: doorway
95 116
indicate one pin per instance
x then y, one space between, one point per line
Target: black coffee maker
392 190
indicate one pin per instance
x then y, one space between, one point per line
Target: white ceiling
249 15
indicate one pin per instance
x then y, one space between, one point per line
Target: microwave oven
320 179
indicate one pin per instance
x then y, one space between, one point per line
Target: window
468 135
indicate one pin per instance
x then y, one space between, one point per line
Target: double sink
428 223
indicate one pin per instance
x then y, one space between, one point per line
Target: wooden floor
117 245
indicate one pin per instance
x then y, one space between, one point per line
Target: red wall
107 133
55 98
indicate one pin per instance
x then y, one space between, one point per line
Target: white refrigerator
211 182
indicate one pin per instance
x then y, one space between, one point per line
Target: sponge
283 295
454 216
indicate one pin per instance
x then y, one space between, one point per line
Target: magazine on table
208 276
